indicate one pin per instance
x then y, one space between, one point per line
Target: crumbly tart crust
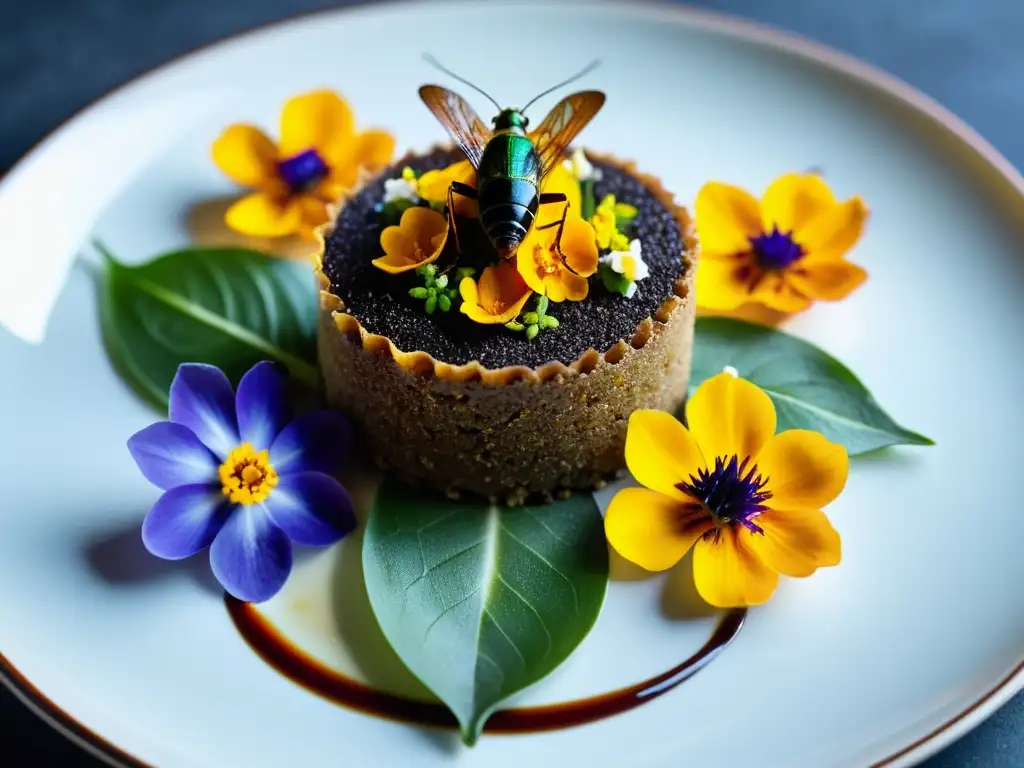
514 433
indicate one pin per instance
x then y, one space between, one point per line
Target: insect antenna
434 62
577 76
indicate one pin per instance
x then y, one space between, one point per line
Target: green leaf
549 321
444 303
480 601
228 307
542 305
614 281
431 304
588 203
532 330
810 389
530 318
419 292
512 325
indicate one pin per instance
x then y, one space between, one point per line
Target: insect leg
457 188
558 197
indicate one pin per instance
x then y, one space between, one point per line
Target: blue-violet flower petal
314 509
201 399
169 455
251 556
318 441
261 405
185 520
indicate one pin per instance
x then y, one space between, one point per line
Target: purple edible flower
239 478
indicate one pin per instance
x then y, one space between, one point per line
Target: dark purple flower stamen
776 250
728 494
303 171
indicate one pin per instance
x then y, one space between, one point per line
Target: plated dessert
502 323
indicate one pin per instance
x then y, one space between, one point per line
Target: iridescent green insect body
510 163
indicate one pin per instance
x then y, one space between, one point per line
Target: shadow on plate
679 597
118 557
204 221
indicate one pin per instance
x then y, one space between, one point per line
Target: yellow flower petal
651 530
831 233
727 217
796 542
560 179
260 215
246 156
313 213
374 149
579 247
728 573
319 120
775 291
793 200
498 297
803 469
724 284
660 452
828 280
418 239
728 415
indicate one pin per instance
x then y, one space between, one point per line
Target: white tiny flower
731 371
399 189
628 263
582 168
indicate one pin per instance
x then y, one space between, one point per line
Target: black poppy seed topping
381 303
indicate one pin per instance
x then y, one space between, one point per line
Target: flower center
547 261
777 250
247 477
303 171
729 492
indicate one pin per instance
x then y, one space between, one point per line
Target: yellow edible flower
418 239
604 223
498 297
319 157
782 253
559 273
746 500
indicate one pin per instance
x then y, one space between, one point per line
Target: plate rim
730 24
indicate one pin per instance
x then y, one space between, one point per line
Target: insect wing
563 124
459 119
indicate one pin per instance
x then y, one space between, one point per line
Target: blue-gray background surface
57 56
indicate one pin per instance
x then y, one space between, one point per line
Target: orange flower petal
260 215
661 452
828 280
579 247
418 239
727 217
730 416
803 469
560 179
373 149
793 200
246 156
831 233
796 542
775 291
724 284
651 530
728 573
320 120
498 297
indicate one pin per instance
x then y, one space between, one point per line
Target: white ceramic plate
915 638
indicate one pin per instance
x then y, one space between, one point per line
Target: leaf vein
548 563
540 619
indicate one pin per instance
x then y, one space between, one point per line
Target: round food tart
510 377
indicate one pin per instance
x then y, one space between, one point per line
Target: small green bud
427 269
549 322
418 293
531 318
532 331
542 305
442 281
444 302
512 325
463 272
431 303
